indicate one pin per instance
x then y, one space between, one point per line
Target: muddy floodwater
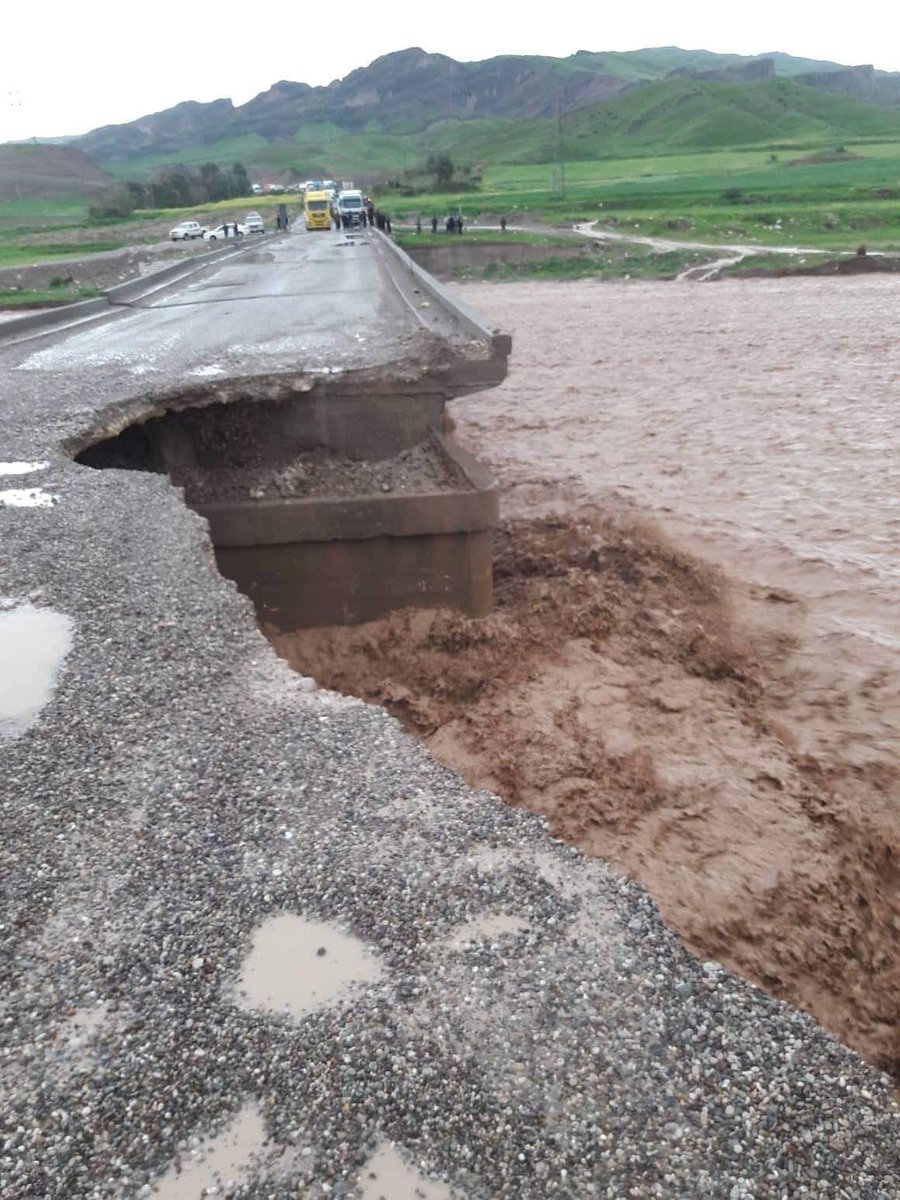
760 415
693 664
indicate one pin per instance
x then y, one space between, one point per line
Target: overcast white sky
68 67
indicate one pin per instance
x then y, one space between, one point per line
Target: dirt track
730 741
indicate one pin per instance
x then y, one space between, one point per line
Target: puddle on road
388 1176
489 928
565 877
213 1167
33 644
26 498
210 371
298 965
83 1025
22 468
75 1044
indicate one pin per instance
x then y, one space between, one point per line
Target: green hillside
659 61
645 65
665 117
789 64
684 114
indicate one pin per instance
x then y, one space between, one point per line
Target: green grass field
807 196
46 297
406 237
34 231
762 196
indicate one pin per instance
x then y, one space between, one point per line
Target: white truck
352 205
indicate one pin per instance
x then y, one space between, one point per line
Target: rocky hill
410 90
399 93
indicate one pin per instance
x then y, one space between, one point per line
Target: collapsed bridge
333 492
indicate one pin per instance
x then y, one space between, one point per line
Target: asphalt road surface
319 300
250 929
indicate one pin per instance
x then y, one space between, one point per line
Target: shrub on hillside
113 207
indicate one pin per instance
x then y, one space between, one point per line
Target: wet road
309 300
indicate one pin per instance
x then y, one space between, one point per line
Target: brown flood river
692 669
757 419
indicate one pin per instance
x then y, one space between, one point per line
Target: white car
253 223
187 229
224 231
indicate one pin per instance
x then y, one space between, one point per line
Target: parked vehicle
316 210
253 223
186 230
224 231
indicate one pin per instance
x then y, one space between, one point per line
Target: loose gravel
423 468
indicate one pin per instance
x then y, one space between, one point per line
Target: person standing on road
459 224
418 224
433 223
503 224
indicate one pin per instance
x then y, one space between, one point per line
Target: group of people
452 224
369 215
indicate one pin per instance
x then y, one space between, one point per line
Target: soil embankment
458 256
101 270
856 264
729 737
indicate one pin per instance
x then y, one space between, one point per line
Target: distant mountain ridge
410 90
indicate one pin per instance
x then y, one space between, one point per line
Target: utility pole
558 177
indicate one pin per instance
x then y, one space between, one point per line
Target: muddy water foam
758 418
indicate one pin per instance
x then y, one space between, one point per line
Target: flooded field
692 666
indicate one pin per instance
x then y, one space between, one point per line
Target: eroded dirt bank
611 691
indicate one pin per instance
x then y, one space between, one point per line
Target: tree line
175 186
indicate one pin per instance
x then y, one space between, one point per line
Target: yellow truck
316 210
